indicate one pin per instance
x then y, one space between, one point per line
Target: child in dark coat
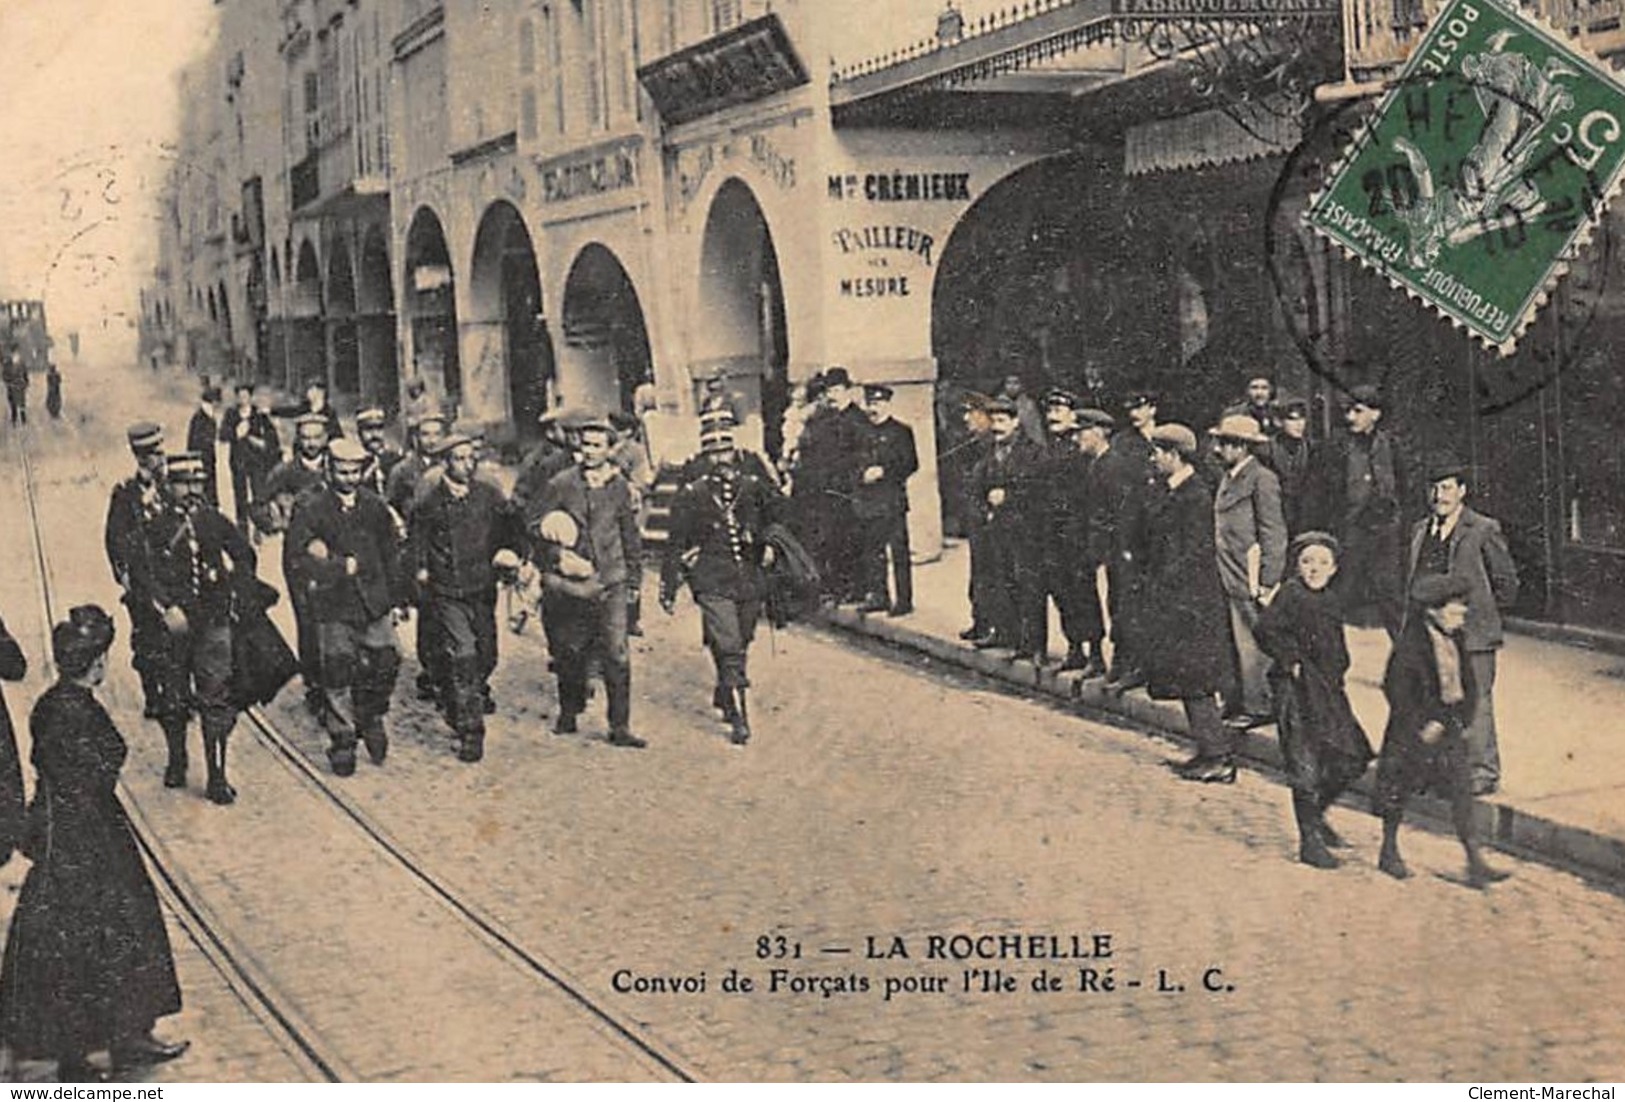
1325 748
1429 685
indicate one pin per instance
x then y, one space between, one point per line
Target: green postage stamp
1483 171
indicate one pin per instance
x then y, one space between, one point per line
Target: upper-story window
527 47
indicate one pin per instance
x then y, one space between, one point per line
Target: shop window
725 14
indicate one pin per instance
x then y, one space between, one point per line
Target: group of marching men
370 534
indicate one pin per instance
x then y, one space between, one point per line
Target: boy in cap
1431 694
136 502
346 541
880 503
718 547
200 561
200 436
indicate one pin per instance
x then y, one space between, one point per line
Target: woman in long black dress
87 964
13 665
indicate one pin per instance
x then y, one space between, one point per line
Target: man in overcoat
1185 650
1367 486
1459 540
1062 530
1006 488
201 432
1251 540
303 471
253 448
880 502
349 547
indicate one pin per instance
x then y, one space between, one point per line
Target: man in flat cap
1007 491
136 502
1367 487
200 436
1185 642
253 449
201 562
1063 534
1251 541
348 546
305 470
372 429
880 503
1296 461
1461 541
1131 445
1113 501
457 527
595 503
553 454
1431 695
401 491
718 547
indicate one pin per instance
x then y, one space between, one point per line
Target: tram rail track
251 979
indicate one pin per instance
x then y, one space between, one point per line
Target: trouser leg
902 562
211 675
1483 750
616 654
241 497
1250 664
1212 740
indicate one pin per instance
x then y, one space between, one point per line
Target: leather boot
175 739
740 719
218 790
1311 843
1389 860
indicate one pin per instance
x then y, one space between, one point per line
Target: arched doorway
307 335
343 352
507 298
741 332
606 353
431 306
375 325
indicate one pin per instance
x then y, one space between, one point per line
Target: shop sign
879 247
1221 9
902 187
766 156
600 173
746 64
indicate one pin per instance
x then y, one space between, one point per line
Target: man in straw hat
1251 538
136 502
200 562
352 571
718 546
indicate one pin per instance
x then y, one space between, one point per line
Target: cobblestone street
880 799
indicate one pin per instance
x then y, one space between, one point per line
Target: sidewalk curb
1515 830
